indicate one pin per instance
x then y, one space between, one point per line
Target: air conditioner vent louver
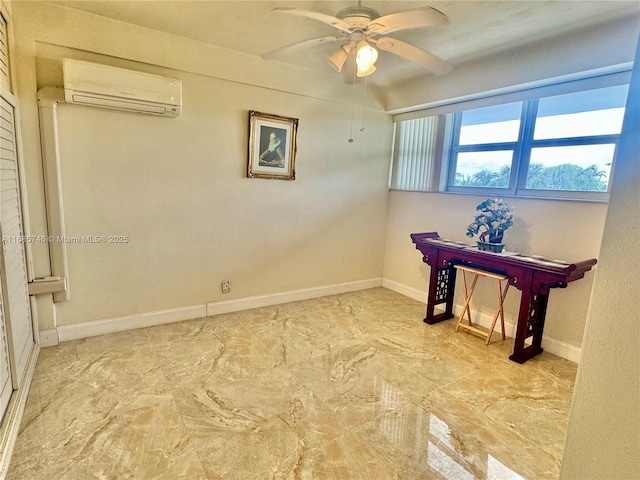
104 86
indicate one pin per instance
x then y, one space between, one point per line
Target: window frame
528 94
521 158
455 149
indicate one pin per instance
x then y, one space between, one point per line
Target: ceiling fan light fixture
366 56
336 59
363 72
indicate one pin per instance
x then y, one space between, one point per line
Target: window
483 146
556 145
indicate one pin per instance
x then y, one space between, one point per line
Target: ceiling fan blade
298 46
408 19
414 54
321 17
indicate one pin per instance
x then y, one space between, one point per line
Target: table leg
442 283
533 308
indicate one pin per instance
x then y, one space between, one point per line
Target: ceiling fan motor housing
357 17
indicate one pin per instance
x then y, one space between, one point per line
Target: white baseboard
549 344
75 331
247 303
562 349
129 322
419 295
49 338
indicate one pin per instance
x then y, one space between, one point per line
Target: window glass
483 169
594 112
491 124
576 167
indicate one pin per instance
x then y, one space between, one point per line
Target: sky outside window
581 114
491 124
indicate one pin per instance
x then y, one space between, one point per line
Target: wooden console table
533 276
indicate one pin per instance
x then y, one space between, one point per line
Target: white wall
178 188
603 437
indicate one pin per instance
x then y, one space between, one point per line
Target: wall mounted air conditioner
104 86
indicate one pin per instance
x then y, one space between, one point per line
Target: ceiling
476 28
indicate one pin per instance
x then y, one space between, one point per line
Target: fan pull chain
353 102
364 97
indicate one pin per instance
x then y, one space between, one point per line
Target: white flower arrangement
494 218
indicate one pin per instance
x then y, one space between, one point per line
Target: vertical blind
416 149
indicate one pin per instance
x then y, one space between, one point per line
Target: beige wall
603 437
177 187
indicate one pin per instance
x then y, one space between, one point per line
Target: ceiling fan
362 29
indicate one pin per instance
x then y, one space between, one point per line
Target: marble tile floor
352 386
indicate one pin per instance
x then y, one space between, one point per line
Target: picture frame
272 146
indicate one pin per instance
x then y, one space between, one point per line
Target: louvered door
17 310
16 329
5 84
7 140
6 383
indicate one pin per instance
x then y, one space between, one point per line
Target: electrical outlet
226 286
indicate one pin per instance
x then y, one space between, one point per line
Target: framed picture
272 146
